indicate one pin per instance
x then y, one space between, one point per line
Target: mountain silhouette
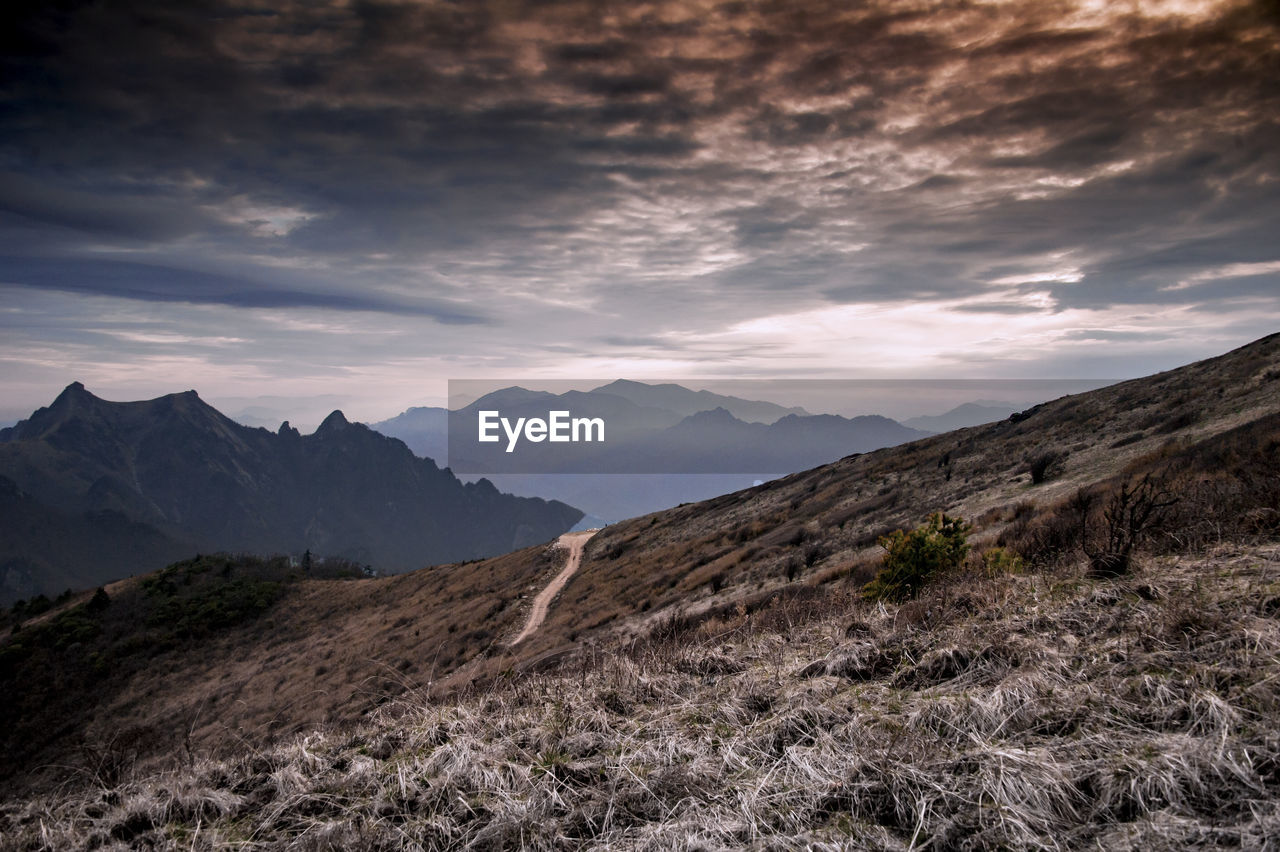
191 479
962 416
716 441
684 401
665 444
644 439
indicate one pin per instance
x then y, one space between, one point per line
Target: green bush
912 558
209 593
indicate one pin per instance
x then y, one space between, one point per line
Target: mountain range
667 439
95 490
684 402
666 444
425 428
642 439
962 416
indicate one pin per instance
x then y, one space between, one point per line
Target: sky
305 205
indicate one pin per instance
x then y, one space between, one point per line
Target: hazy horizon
898 399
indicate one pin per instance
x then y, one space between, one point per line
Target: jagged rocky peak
335 422
73 392
181 400
74 402
212 480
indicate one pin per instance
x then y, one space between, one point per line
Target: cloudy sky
356 201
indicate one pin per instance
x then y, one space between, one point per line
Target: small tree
100 601
1128 516
912 558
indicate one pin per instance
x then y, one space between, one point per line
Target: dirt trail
574 542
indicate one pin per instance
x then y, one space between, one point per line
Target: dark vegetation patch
1178 496
54 671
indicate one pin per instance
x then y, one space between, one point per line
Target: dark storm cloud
111 213
590 53
151 283
675 167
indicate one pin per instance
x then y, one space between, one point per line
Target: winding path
574 541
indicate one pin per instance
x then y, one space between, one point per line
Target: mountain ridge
685 401
425 430
964 415
195 477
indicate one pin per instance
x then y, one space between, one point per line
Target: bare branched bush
1127 518
1045 465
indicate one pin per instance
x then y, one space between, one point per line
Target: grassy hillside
713 674
823 526
1038 710
218 652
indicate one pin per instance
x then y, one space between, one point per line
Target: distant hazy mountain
684 402
632 407
626 419
672 450
304 412
717 442
645 439
962 416
424 429
509 397
173 475
257 416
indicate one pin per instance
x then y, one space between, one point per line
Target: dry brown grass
328 652
819 526
1030 711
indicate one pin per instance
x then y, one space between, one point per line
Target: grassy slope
322 651
821 525
1029 711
